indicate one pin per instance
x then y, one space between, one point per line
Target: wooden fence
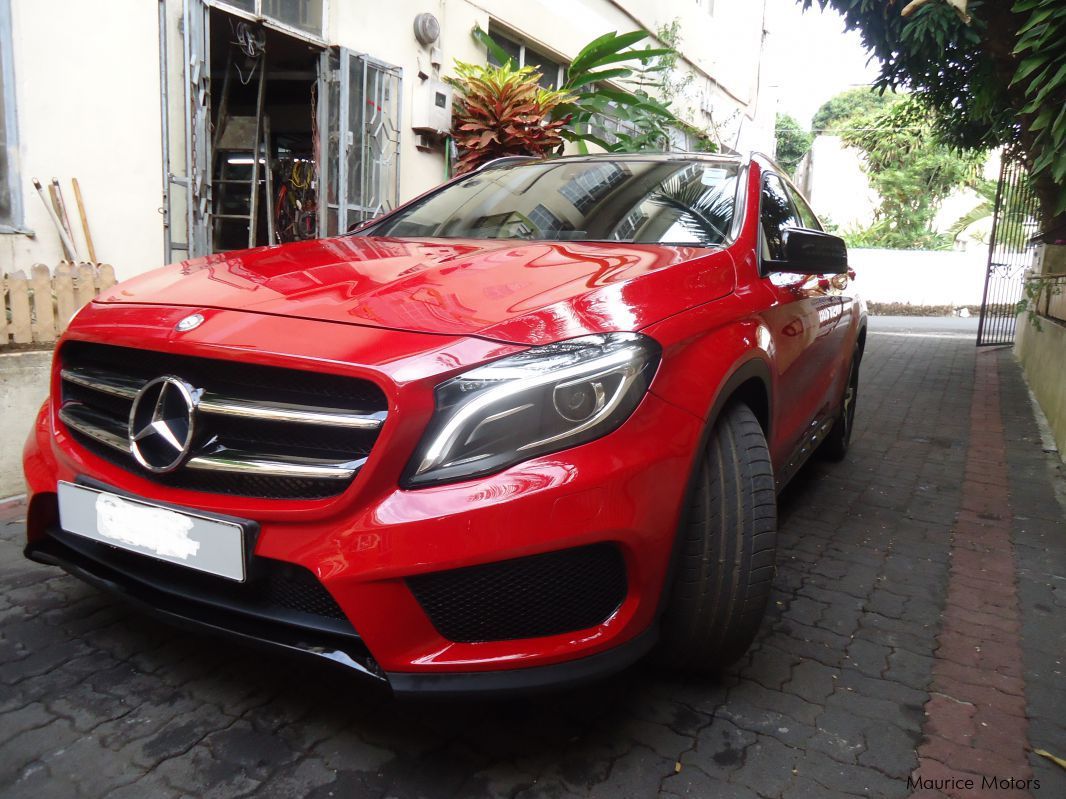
36 309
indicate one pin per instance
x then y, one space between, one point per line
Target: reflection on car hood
506 290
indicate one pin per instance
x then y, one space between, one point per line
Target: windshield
653 202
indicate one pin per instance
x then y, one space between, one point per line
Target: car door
801 318
839 288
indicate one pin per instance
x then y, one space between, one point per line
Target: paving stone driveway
97 700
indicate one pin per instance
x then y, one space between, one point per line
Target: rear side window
776 213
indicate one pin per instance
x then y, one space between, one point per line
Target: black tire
836 444
726 551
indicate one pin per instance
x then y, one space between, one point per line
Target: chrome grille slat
99 427
95 425
97 380
285 412
261 431
245 462
222 405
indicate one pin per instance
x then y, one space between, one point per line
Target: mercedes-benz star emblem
162 424
189 323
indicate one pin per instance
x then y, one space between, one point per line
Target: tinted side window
805 212
776 214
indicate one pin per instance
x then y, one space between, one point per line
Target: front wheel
728 544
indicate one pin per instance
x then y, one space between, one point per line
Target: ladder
239 138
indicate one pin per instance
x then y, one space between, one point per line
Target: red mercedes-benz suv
512 434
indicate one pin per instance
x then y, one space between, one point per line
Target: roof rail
506 159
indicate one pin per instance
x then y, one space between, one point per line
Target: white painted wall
87 82
836 186
919 277
87 93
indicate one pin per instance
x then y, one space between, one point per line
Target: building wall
832 177
88 95
920 277
1042 352
23 387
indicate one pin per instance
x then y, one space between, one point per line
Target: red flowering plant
503 110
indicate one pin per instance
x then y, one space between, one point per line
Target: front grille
261 431
557 592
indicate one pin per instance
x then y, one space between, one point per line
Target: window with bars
301 15
553 72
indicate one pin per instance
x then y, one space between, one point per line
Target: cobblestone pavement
894 632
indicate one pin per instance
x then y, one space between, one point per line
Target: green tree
993 72
793 142
861 101
912 172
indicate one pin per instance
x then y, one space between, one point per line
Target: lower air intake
557 592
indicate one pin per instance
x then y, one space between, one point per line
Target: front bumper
366 545
346 652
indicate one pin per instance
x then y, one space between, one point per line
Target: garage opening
263 135
285 137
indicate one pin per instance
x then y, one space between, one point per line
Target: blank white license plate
181 537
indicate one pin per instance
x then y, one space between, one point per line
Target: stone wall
23 387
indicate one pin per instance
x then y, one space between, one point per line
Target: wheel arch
750 383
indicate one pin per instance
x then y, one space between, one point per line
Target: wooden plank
63 284
19 296
84 219
44 323
84 288
105 277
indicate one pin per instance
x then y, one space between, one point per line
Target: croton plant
503 110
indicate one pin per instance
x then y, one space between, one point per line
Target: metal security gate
359 110
1009 253
186 206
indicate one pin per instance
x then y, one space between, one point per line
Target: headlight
542 400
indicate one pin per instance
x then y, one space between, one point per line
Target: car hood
505 290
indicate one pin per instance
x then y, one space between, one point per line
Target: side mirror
812 252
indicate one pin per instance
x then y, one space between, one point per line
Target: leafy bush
502 110
608 78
